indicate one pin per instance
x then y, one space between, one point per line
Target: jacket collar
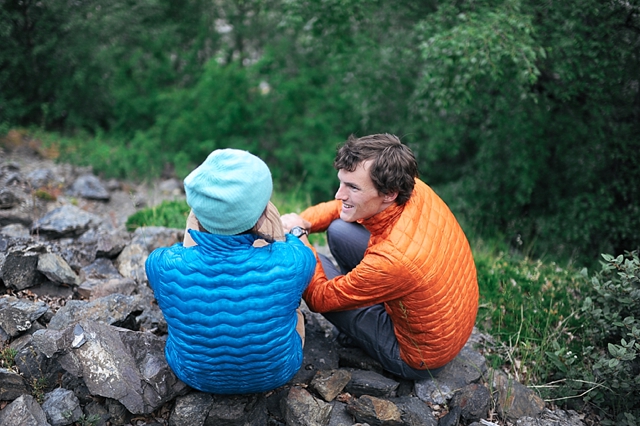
380 222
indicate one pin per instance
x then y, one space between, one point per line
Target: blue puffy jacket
231 310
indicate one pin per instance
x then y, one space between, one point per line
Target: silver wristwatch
298 231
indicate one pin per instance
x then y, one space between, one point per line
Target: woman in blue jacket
230 293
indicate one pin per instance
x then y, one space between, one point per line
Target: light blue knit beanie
229 191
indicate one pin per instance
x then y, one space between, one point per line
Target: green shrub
612 315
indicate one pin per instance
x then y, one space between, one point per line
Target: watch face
297 231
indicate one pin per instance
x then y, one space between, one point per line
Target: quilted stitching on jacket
231 310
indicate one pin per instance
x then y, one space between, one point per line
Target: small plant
7 357
38 387
83 420
43 194
91 420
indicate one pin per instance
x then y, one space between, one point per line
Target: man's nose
340 194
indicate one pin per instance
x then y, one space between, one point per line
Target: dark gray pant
371 327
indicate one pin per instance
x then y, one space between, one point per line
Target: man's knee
347 242
337 231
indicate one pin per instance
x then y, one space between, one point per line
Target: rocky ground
77 311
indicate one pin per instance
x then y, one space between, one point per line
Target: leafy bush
574 339
612 315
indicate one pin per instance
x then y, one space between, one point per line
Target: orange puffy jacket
419 264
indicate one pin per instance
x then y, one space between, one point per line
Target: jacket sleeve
304 259
380 277
321 215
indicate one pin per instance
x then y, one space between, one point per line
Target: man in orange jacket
406 290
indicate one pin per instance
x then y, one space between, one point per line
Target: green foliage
219 111
7 357
38 388
170 214
109 156
173 214
612 336
525 114
90 420
83 420
573 338
522 106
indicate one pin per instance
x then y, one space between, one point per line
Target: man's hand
291 220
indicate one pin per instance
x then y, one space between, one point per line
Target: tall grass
532 310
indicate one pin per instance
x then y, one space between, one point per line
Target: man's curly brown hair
394 167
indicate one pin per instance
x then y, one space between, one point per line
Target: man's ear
390 197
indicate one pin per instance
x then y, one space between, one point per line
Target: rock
24 411
61 407
17 316
9 199
452 418
474 401
375 411
191 409
77 254
303 409
101 268
40 178
468 367
56 269
89 186
114 309
514 399
130 262
556 418
107 244
414 411
340 416
15 230
238 410
153 237
93 289
172 187
371 383
65 221
20 269
12 385
330 383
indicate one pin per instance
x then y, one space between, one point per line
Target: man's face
360 199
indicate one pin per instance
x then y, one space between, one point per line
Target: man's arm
379 278
321 215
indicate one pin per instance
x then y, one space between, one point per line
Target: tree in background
533 111
523 115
